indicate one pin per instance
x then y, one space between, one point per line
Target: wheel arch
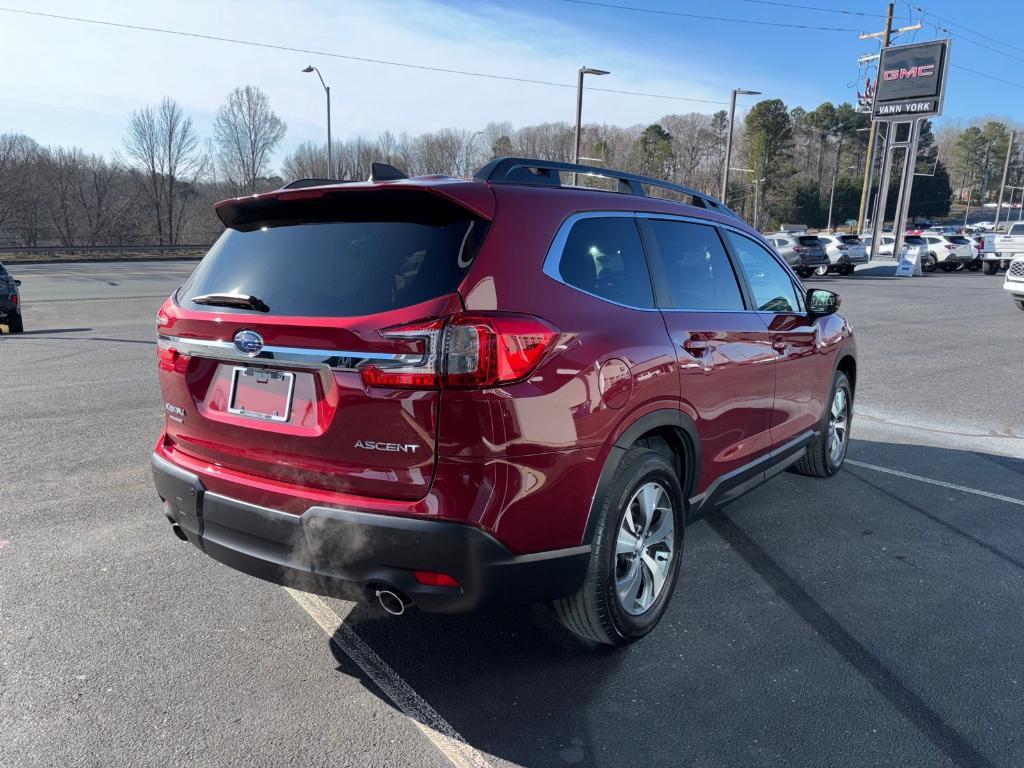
661 429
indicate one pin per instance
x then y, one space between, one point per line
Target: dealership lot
871 619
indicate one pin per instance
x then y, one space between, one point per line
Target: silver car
804 253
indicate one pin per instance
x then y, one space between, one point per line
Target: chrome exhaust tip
176 529
392 602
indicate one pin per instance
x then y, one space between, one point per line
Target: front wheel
990 267
634 557
826 454
845 270
804 273
928 265
821 271
974 266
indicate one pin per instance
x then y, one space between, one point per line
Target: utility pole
1002 185
728 137
886 36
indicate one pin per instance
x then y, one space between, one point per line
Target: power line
968 29
755 22
986 74
816 8
272 46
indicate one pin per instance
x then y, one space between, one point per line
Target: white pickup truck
999 249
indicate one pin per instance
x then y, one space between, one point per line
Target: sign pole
899 226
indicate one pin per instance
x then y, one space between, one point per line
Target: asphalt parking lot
873 619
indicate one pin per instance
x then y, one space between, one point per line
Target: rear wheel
804 272
845 269
928 264
16 324
634 560
974 266
826 454
990 267
821 271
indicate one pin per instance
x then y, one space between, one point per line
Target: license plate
262 393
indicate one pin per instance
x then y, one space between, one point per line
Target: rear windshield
958 239
850 239
338 268
809 240
1016 229
913 240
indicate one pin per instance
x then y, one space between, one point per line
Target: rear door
261 347
801 374
724 352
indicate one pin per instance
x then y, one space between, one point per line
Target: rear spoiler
350 197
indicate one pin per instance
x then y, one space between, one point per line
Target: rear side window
958 240
697 269
850 239
771 285
603 256
339 268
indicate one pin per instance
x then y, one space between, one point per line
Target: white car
950 251
887 242
1015 281
983 226
844 252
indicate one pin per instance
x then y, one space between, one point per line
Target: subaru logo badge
249 343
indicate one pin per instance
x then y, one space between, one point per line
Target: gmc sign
911 81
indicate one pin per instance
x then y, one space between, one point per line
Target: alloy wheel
644 548
838 420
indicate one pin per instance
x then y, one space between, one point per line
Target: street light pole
579 111
1002 184
728 137
327 89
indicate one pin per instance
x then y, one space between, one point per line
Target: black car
10 302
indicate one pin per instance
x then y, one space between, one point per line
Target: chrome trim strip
333 359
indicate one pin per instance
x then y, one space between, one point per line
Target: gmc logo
925 70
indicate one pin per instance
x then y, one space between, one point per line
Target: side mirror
821 302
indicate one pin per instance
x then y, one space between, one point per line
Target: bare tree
246 131
165 157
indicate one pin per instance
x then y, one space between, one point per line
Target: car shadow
756 662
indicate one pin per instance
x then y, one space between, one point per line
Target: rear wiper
231 300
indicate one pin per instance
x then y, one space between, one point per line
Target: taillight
14 298
169 359
467 351
797 249
950 246
843 247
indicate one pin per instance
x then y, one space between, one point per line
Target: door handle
695 347
779 345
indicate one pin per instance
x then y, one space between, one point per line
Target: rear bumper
346 553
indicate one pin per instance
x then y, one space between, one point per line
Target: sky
74 84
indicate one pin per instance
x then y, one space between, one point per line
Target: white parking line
942 483
426 718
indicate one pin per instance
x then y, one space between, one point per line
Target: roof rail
522 170
301 183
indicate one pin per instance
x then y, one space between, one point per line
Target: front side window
771 285
604 257
697 268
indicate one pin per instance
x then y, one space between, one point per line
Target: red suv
451 392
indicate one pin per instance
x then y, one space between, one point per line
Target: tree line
789 165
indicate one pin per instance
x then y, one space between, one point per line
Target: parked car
888 242
1015 281
999 248
984 226
804 253
452 392
844 253
10 302
950 251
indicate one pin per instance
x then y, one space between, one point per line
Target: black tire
818 462
845 270
1020 304
928 265
804 273
974 266
990 267
16 324
595 611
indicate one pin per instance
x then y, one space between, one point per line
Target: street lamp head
592 71
310 68
745 92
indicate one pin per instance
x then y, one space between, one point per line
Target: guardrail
17 254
